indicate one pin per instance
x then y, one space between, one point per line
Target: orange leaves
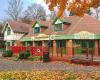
95 3
61 7
52 4
61 4
78 7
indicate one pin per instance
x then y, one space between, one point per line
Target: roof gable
36 24
59 20
19 27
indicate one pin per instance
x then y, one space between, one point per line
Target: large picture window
58 27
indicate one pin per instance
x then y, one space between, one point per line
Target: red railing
34 51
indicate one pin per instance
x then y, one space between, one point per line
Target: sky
4 5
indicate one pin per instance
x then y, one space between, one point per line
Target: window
38 43
8 31
29 43
8 43
37 30
13 43
58 27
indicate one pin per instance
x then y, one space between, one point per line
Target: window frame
58 25
8 31
37 31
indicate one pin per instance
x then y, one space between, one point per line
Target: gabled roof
86 23
41 23
78 24
64 21
18 26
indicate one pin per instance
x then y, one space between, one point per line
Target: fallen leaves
37 75
48 75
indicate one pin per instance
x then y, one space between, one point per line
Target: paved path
10 65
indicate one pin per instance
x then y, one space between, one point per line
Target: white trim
58 21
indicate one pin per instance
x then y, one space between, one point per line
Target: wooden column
43 44
33 44
96 48
69 46
66 48
54 48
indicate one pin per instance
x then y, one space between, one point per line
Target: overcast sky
4 6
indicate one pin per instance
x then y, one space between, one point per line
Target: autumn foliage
78 7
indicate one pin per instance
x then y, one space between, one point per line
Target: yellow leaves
48 75
37 75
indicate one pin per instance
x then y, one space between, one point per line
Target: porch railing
34 51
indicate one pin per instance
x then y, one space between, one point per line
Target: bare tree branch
14 9
35 11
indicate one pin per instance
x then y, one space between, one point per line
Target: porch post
54 48
66 48
69 46
43 44
25 43
96 48
10 43
33 44
6 45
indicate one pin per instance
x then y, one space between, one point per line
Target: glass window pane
58 27
37 30
8 31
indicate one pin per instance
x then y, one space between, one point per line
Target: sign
84 35
42 37
52 37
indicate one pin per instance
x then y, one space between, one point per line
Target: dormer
38 27
59 24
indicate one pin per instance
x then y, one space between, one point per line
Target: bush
21 55
24 55
7 53
35 58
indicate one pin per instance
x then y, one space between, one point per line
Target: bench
81 60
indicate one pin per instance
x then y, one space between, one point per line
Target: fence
34 51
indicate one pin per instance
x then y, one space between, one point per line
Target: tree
14 9
35 11
25 19
52 15
95 12
78 7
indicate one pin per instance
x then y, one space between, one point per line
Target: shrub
7 53
35 58
21 55
24 55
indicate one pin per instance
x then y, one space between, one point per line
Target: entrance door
83 48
